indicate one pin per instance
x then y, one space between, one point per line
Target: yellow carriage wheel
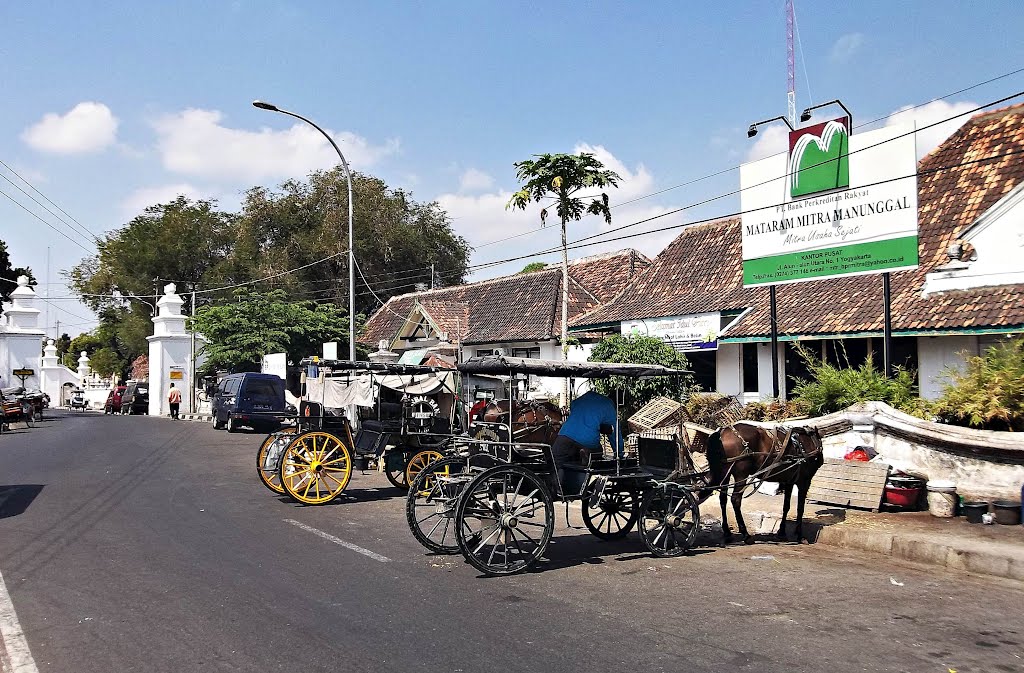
419 461
316 467
267 458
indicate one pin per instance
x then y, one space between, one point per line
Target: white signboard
276 363
331 350
697 331
866 224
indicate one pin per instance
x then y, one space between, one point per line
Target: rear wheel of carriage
504 520
394 468
268 458
315 468
430 505
28 415
614 516
669 519
419 461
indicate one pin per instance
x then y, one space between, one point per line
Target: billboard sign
275 363
836 205
694 332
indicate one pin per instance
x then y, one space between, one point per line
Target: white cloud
87 127
770 140
194 142
475 180
933 112
846 47
482 219
136 202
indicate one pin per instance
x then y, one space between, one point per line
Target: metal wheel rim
431 506
418 463
669 521
315 468
614 516
504 521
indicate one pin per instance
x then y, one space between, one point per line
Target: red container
902 497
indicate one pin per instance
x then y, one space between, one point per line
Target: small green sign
840 260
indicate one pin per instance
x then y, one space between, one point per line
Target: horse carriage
408 415
18 404
493 500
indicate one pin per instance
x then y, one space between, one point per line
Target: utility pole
192 357
431 275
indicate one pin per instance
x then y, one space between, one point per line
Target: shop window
526 352
703 366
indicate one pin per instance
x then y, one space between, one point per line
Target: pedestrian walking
174 399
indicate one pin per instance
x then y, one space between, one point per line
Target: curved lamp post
351 240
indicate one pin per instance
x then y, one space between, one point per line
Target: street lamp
805 116
351 240
752 130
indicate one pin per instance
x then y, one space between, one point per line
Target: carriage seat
658 455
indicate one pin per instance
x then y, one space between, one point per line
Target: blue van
250 398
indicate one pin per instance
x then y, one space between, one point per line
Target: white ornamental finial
22 281
170 288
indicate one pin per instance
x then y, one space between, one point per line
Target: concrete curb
953 554
202 418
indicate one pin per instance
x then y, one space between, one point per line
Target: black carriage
408 415
493 501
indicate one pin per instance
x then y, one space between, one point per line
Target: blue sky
109 107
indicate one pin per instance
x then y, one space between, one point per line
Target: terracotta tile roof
521 307
701 269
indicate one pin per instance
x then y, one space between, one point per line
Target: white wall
20 351
166 352
729 369
934 354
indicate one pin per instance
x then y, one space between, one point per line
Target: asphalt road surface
144 544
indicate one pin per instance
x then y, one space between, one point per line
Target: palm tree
557 179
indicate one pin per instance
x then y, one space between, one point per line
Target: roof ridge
416 294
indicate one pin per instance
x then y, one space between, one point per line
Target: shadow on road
15 499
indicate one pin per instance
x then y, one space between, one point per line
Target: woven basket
658 413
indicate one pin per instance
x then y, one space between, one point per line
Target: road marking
14 652
337 540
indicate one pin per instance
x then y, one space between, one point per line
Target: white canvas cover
361 390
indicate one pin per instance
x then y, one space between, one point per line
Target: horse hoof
804 540
748 539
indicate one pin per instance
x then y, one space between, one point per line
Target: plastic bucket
942 499
1007 512
974 510
901 496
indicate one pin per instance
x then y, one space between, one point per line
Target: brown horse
532 421
748 454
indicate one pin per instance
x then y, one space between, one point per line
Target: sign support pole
775 340
887 329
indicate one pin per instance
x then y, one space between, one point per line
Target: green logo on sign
818 158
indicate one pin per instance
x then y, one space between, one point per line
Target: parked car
113 403
250 399
135 398
77 400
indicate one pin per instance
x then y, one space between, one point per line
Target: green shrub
772 409
641 350
989 393
833 388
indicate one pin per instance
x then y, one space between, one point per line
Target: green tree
641 350
557 179
534 266
240 333
397 240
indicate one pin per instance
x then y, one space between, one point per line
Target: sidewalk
911 536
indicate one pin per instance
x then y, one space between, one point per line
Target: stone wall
984 464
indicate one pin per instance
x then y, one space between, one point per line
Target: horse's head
806 441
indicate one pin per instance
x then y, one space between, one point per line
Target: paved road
143 544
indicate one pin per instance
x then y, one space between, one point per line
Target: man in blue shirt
591 415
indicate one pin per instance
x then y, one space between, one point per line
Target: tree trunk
565 313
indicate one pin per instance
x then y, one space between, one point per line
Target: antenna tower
790 66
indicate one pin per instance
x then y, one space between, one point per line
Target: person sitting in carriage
591 415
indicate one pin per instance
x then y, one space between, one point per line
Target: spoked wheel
315 468
504 520
614 516
430 506
28 415
669 520
394 468
268 458
420 460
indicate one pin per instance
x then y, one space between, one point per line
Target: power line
17 203
81 228
738 191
